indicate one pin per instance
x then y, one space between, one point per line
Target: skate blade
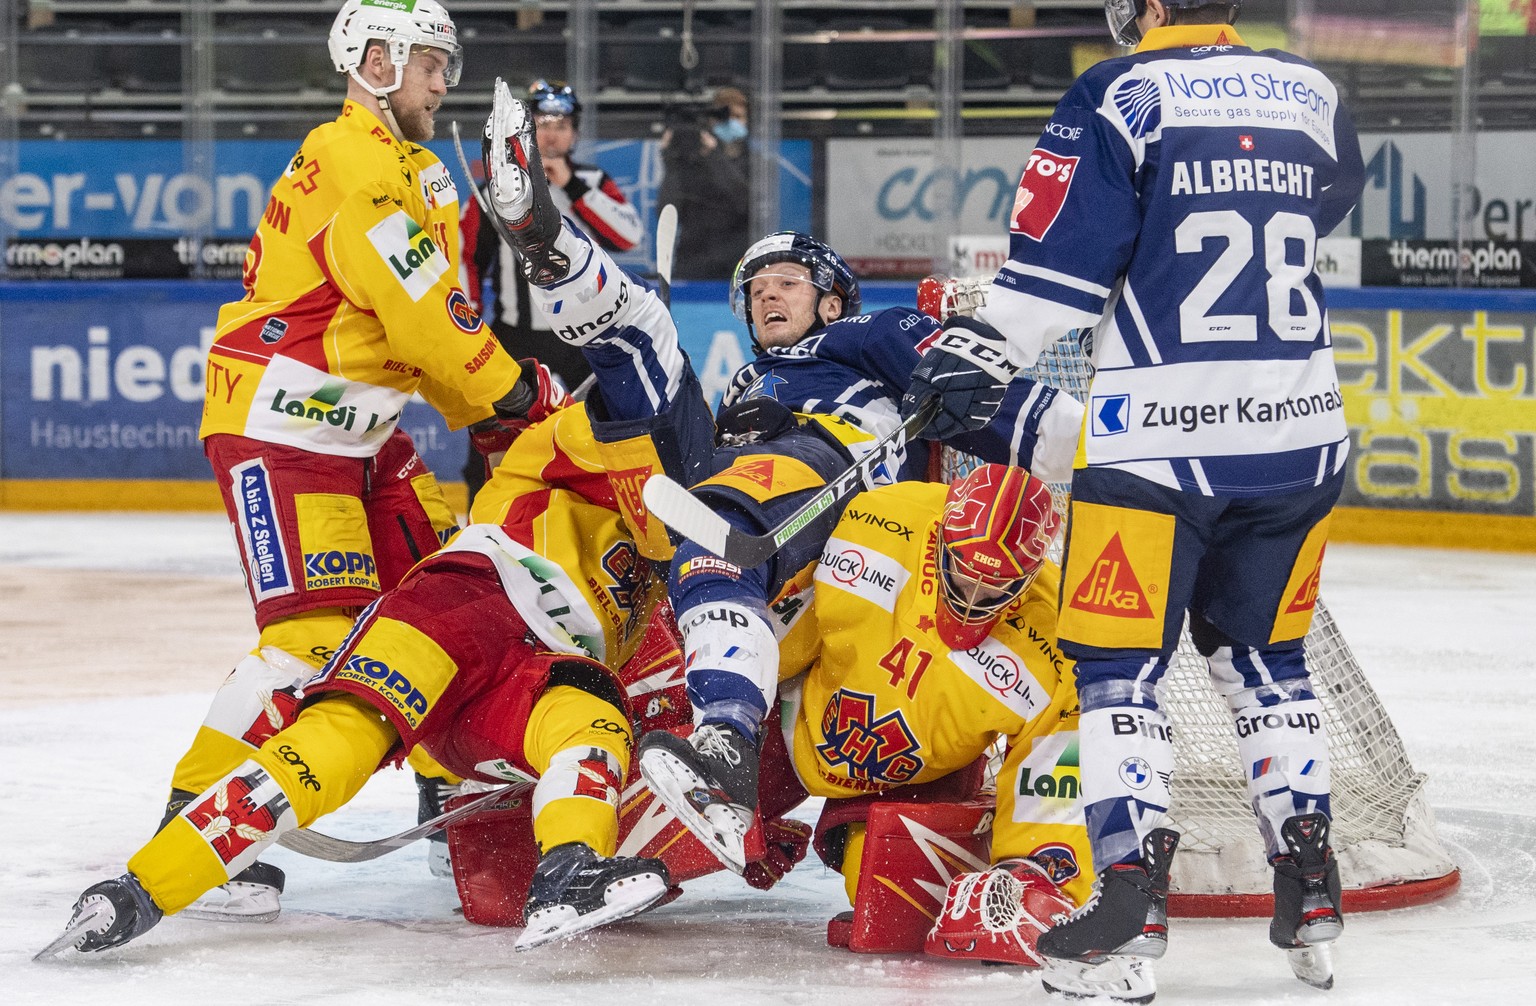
1123 979
244 903
671 780
1313 965
89 917
629 896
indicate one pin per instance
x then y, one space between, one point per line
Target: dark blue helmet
1122 15
554 97
829 273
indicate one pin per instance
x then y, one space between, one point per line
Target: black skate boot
107 915
1104 948
1307 899
574 889
709 781
519 190
252 895
432 795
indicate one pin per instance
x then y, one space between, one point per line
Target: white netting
1383 830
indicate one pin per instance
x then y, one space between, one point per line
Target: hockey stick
693 519
666 250
339 850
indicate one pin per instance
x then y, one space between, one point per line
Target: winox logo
1111 586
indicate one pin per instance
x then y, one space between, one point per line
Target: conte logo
388 682
869 746
460 311
1111 586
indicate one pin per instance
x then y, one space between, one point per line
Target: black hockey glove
533 396
966 367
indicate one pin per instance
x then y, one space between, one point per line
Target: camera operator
703 154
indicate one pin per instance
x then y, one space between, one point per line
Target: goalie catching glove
964 364
998 914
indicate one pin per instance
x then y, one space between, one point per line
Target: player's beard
417 124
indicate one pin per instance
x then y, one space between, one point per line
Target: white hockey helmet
399 24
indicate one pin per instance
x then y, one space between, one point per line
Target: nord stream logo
388 682
339 569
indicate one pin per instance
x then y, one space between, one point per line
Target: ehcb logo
873 748
1111 414
462 314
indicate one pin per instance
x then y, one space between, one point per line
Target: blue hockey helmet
1122 15
554 97
829 273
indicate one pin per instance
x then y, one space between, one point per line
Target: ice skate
519 191
709 781
1307 899
1127 920
574 890
108 914
432 795
252 895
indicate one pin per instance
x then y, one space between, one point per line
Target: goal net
1383 830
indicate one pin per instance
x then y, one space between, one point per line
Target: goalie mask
1122 15
399 24
829 274
998 522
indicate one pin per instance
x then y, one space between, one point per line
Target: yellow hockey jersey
352 302
886 703
549 520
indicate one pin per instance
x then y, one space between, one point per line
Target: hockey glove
965 365
534 396
997 914
787 841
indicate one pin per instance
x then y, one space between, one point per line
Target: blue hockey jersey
1173 203
857 369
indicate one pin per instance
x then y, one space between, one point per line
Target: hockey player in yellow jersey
935 611
351 306
493 655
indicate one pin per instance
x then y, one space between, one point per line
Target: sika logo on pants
1115 583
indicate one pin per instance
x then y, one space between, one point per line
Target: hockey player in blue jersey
827 383
1174 202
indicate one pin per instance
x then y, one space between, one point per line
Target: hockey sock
732 659
1282 747
1126 753
425 764
306 770
259 697
580 746
853 858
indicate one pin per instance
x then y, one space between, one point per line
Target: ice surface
118 628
